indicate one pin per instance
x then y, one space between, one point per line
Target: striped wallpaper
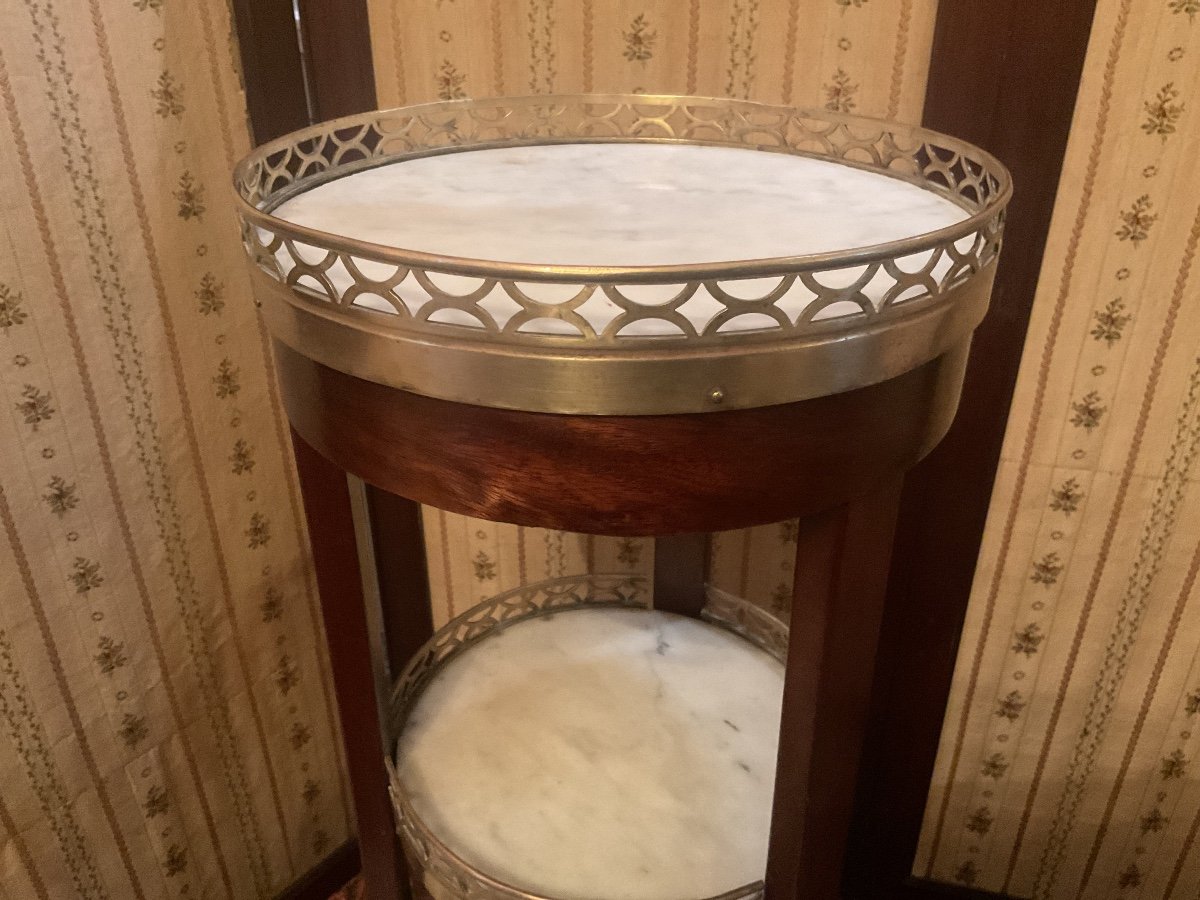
166 725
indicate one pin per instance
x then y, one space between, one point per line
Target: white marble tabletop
621 754
620 205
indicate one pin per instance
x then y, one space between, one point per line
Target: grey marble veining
602 753
621 204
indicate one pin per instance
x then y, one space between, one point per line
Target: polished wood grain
335 557
330 876
399 545
837 607
836 461
622 475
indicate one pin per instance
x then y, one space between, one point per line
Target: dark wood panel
327 877
327 508
1003 75
271 67
337 38
922 889
403 580
622 475
680 571
297 73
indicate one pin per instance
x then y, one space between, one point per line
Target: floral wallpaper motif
1066 767
639 40
160 589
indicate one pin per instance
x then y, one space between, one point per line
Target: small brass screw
716 395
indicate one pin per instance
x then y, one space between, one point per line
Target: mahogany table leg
399 542
680 570
327 508
842 561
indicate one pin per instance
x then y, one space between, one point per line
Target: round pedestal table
617 315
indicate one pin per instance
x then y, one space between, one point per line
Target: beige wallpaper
1068 766
865 56
165 721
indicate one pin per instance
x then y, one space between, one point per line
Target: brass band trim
673 379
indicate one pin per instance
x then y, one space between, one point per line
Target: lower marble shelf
564 741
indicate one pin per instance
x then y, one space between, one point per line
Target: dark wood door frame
337 41
273 71
298 73
1004 75
295 74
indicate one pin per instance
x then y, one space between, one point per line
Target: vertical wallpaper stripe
236 767
36 885
899 60
33 193
223 75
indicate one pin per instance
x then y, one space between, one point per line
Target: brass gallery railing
585 339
